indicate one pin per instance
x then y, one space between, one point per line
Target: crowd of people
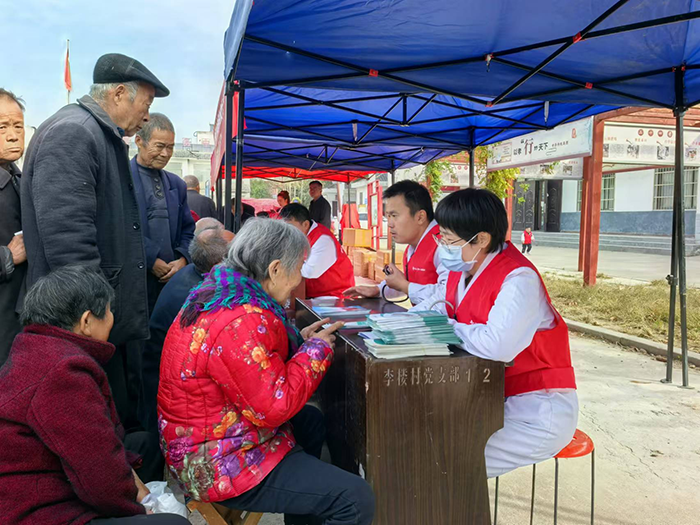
138 333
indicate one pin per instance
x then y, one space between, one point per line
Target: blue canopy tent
491 60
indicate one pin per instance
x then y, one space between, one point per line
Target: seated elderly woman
62 459
235 371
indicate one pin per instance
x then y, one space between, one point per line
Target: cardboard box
357 237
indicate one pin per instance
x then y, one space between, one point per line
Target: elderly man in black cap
79 205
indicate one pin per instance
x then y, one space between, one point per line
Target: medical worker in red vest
409 212
327 270
503 312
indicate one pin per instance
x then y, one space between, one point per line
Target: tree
432 177
260 189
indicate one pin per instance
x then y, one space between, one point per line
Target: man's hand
16 246
396 279
362 291
142 489
174 267
160 268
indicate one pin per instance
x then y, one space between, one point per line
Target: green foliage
499 181
260 189
432 177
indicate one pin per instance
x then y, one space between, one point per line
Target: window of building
663 188
607 196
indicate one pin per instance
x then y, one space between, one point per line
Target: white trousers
537 426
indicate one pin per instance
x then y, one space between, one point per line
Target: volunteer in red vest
409 212
327 270
502 312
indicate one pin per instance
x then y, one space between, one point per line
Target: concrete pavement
642 267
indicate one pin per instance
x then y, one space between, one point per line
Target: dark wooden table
414 428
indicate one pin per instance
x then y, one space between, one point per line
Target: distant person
62 459
320 208
207 249
283 198
202 205
13 258
327 269
526 238
79 202
248 212
166 222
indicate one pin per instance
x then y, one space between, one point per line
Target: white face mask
451 257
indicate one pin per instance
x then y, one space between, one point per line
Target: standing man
13 265
327 269
166 221
203 206
409 212
320 208
79 204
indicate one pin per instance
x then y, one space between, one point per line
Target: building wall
634 191
569 196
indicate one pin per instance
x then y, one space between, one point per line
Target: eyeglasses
451 245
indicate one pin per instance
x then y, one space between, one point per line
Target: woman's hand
142 489
327 334
309 331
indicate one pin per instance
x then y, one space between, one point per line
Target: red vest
546 363
421 268
338 277
527 237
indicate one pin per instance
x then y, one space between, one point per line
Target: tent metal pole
239 160
219 197
228 159
472 168
679 195
393 241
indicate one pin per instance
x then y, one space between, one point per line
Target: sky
180 41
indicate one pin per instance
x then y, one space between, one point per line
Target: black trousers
147 445
143 519
527 247
305 488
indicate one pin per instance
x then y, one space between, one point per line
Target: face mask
451 257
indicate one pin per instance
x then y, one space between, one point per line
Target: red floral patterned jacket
227 391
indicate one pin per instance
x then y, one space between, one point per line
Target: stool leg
495 505
556 488
592 486
532 501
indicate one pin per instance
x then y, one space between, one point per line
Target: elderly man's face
158 151
11 131
315 191
132 115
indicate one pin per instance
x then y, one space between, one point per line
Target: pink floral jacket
227 391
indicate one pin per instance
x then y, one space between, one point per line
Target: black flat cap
116 68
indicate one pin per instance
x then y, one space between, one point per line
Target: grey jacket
79 207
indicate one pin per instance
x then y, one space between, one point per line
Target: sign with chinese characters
567 141
571 169
431 375
648 145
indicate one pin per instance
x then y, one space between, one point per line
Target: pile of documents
410 334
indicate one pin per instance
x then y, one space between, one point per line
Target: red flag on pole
66 73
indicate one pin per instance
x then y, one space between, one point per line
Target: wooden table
414 428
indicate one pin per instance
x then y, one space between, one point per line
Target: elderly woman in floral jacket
235 371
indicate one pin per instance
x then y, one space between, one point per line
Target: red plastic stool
581 445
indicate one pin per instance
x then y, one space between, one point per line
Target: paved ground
647 438
643 267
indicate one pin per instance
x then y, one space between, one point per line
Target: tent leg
228 159
472 168
239 160
679 208
219 200
391 237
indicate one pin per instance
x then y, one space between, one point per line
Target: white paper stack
410 334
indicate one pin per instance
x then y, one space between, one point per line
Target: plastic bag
161 500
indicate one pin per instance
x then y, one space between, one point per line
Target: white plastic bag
161 500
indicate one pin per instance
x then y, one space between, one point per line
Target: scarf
226 288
